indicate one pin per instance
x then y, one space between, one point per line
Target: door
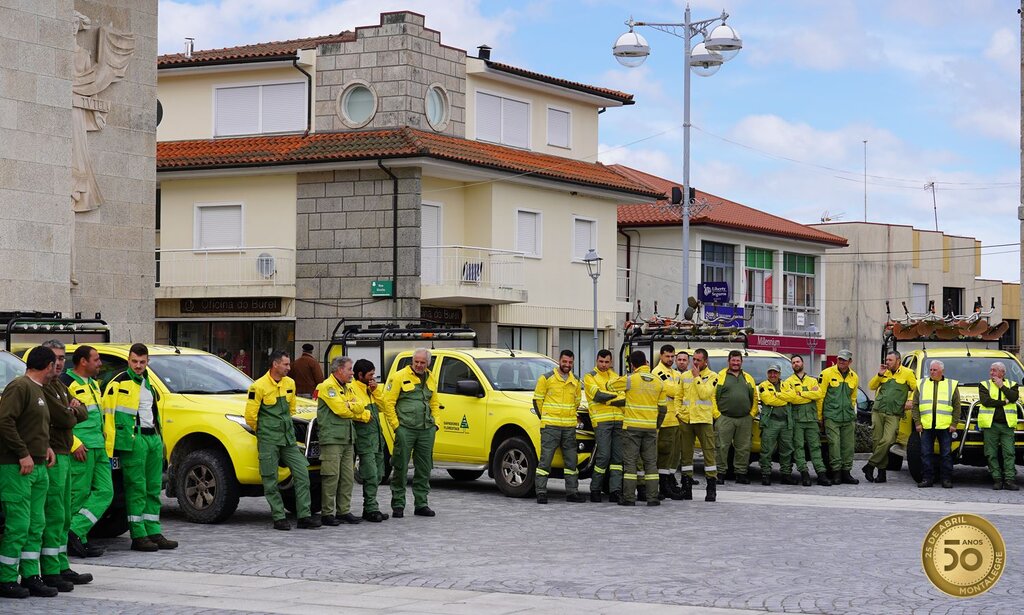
463 427
430 241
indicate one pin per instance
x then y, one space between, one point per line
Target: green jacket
411 399
840 401
85 390
121 409
894 390
337 406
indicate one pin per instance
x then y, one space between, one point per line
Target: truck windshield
515 373
757 367
10 368
198 374
972 370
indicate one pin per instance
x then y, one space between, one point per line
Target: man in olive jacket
337 406
839 410
736 400
895 386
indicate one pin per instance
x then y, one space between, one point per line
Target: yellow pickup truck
487 419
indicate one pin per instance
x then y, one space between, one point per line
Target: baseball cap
845 355
775 367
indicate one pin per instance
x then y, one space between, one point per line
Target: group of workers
646 423
350 408
57 435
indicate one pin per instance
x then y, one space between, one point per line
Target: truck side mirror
472 388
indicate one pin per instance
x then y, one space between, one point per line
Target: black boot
787 479
687 488
712 491
824 480
880 477
663 489
869 472
766 480
847 479
805 478
675 489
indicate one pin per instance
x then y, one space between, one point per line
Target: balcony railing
801 320
247 266
763 317
484 268
622 280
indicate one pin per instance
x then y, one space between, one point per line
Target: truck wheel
466 475
207 489
514 467
895 462
914 464
287 490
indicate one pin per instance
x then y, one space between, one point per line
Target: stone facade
344 242
399 59
55 259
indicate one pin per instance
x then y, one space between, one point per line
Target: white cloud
653 161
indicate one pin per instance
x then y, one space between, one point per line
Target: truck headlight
234 418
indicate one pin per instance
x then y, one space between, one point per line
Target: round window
357 104
437 108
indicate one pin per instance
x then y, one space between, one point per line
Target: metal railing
763 317
798 320
245 266
472 266
622 279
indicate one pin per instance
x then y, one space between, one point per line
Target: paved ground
843 549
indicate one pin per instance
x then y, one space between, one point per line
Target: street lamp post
593 262
704 58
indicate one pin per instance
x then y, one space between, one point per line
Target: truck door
463 427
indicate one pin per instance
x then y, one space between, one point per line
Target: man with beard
803 394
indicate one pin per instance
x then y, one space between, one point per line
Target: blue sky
932 85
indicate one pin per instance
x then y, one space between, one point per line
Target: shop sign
248 305
448 316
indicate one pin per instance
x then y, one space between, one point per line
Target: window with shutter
528 232
255 109
284 107
584 237
238 111
218 227
488 117
502 120
558 127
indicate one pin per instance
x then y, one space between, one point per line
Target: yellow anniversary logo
963 555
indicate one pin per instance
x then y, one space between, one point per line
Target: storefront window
581 343
245 344
531 339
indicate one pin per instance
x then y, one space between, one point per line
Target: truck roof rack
30 327
387 329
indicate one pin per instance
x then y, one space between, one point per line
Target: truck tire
914 464
465 475
514 467
288 493
895 462
206 486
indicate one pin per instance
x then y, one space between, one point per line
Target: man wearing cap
803 394
838 408
306 372
895 386
776 427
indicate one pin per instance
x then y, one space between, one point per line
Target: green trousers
884 428
24 504
54 552
337 477
668 449
639 447
806 433
552 438
705 432
776 433
999 448
737 433
607 457
841 436
143 471
370 448
271 455
419 445
92 490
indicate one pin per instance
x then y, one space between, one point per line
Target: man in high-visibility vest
556 398
668 433
646 406
997 418
697 413
936 413
838 408
605 410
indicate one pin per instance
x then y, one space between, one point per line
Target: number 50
969 559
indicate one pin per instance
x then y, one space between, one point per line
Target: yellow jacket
557 399
366 398
670 377
594 382
696 403
645 398
800 391
772 397
265 390
342 400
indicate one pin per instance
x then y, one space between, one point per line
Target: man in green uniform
894 385
338 408
555 399
410 401
131 410
776 427
936 412
668 433
268 412
839 410
65 413
369 440
803 394
646 406
997 418
24 454
605 410
736 400
92 486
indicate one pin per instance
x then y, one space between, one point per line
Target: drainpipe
309 95
394 236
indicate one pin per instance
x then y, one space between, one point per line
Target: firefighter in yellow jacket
776 427
803 394
646 406
697 413
838 408
668 433
556 398
605 410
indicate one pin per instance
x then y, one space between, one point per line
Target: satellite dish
266 265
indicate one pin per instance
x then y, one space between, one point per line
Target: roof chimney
189 45
484 52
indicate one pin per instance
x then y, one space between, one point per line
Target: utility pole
935 208
866 178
